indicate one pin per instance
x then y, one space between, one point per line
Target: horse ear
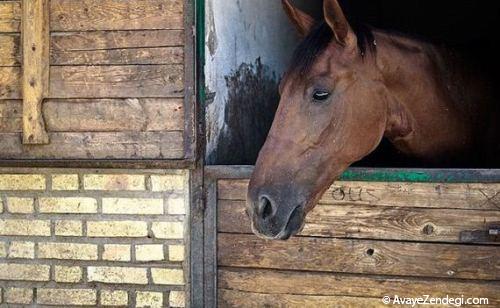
301 20
335 18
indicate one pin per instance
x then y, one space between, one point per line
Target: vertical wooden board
361 256
112 145
10 51
36 50
10 16
86 15
116 81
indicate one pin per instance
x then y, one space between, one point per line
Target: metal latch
490 234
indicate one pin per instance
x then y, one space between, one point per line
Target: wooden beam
36 56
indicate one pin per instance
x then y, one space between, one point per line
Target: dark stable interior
465 25
471 27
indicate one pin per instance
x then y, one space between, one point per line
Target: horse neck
423 94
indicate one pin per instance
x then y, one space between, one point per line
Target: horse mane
315 43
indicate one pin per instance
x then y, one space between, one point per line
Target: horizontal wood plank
10 83
115 145
156 55
232 298
91 15
361 256
103 48
332 284
368 222
84 15
100 115
102 81
10 16
102 40
10 50
426 195
118 47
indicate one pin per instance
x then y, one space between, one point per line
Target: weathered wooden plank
428 195
84 15
361 256
103 40
118 47
117 81
368 222
100 115
157 55
102 81
232 298
10 16
88 15
333 284
11 116
114 145
10 83
103 48
10 51
35 82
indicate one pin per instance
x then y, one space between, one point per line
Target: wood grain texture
368 222
311 283
10 50
118 47
333 284
102 81
103 48
100 115
10 83
11 116
10 16
117 81
353 256
85 15
35 81
114 145
156 55
232 298
425 195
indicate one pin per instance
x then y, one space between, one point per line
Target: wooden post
36 40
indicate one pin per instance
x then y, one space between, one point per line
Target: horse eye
320 95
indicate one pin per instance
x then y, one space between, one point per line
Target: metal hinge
490 234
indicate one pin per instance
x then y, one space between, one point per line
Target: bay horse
348 88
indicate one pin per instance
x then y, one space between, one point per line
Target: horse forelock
316 42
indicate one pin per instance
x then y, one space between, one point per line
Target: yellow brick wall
93 238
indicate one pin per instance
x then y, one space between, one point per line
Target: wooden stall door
120 85
365 240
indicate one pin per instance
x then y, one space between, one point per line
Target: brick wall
83 237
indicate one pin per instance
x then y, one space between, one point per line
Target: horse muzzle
274 221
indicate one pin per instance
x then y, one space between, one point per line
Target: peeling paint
252 101
238 33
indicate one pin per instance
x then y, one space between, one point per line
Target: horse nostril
265 208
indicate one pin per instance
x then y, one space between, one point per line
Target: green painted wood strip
381 174
422 175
